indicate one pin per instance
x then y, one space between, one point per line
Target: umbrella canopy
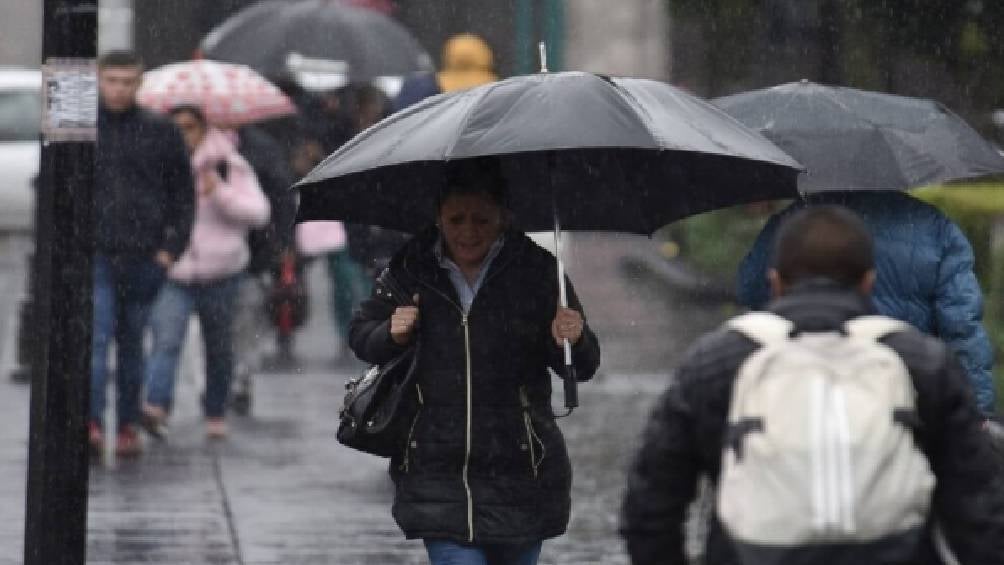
615 154
321 44
855 139
229 95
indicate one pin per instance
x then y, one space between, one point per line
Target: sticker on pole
69 100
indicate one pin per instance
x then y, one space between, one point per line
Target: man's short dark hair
824 242
120 58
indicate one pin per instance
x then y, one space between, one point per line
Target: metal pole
554 33
524 37
56 502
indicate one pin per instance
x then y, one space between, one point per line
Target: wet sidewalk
281 490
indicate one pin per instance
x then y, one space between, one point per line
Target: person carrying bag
378 403
483 474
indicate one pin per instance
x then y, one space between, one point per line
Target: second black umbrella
851 139
321 44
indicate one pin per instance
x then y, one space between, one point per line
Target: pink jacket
218 247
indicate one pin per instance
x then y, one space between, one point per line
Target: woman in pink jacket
207 276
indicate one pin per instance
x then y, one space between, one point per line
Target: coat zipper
531 435
529 442
406 463
467 449
469 410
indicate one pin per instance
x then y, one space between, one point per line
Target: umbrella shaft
562 291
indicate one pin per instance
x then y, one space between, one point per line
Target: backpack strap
874 327
767 327
764 328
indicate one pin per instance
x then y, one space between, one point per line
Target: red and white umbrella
229 94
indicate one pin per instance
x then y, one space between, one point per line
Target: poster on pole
69 100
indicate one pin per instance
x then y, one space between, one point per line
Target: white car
20 119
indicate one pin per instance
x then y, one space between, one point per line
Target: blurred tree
725 25
949 50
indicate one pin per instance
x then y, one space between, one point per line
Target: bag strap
392 289
765 328
874 327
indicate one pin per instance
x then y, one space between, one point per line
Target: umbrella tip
542 47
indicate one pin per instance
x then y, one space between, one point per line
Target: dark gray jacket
270 165
144 197
685 436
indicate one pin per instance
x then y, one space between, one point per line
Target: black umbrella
850 139
321 44
596 153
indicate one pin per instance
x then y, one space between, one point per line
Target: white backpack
820 455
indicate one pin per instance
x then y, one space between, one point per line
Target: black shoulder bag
377 405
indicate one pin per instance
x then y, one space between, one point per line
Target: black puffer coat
485 462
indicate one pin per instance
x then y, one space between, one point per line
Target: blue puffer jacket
925 274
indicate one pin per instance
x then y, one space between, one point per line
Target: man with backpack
830 435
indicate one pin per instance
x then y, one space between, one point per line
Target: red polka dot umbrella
228 93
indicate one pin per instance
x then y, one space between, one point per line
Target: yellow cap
467 62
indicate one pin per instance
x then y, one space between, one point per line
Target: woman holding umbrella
207 276
484 475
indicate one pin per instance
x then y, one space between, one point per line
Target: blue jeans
445 552
124 290
214 303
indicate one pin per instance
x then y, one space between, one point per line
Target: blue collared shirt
465 290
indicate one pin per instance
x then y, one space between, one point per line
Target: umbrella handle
571 382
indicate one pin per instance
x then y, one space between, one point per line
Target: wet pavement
281 490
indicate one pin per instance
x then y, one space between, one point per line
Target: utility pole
554 33
525 34
56 503
539 20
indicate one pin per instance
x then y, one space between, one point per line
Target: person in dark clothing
484 475
822 277
353 268
275 176
260 145
924 275
143 213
